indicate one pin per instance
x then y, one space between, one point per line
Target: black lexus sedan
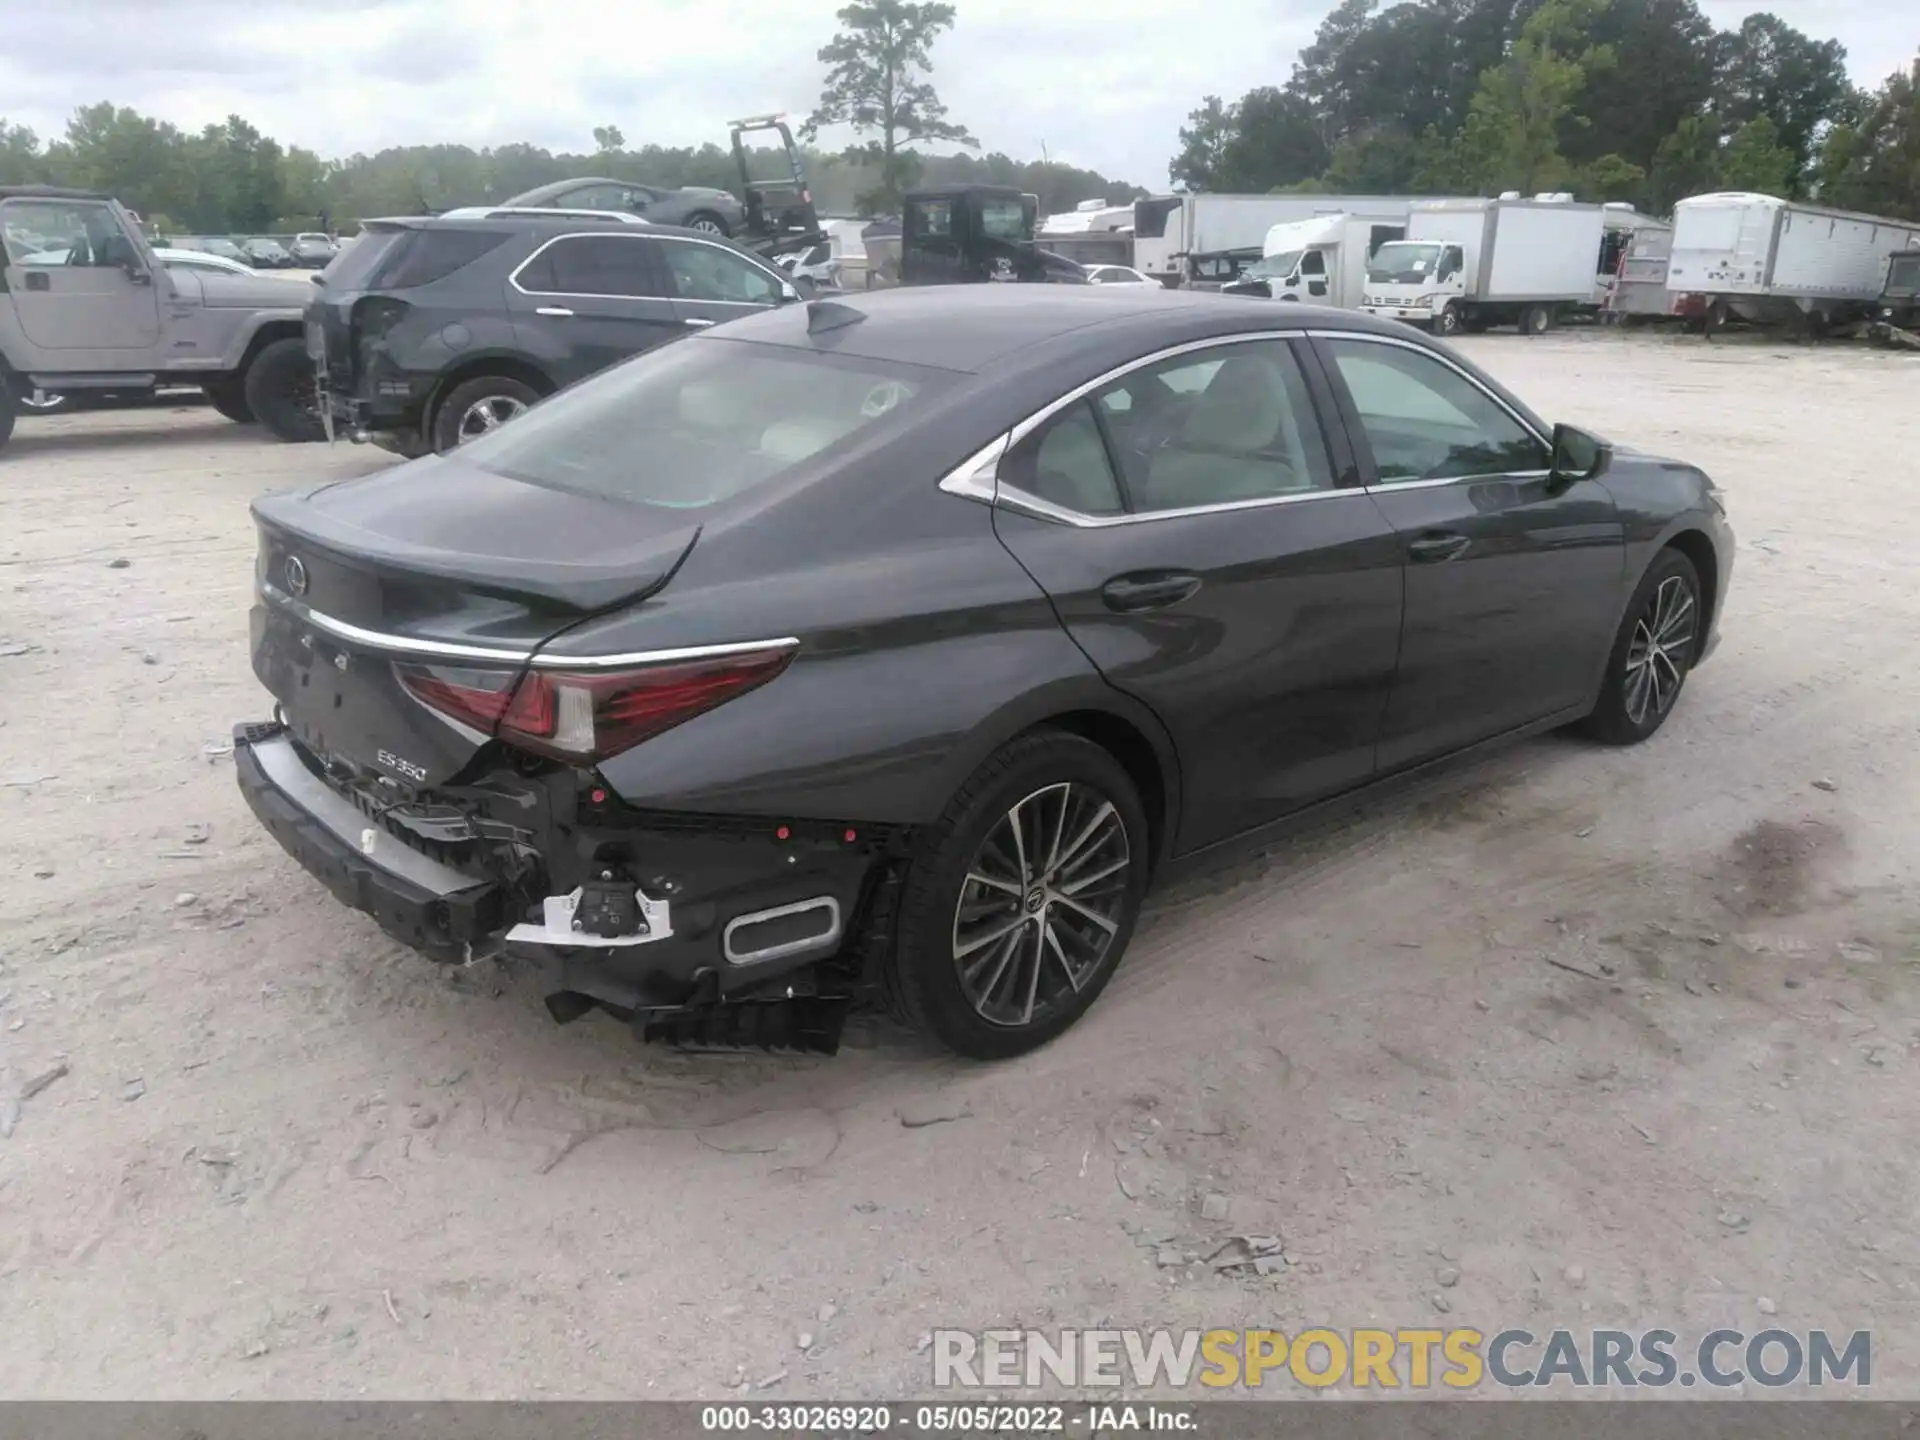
890 646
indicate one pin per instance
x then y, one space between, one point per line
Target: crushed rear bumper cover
725 934
420 902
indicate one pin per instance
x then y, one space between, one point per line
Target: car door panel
1512 574
1262 632
96 310
591 300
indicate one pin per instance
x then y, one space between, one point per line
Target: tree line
231 179
1635 100
1623 100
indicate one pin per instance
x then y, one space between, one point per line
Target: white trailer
1321 261
1777 261
1176 236
1469 264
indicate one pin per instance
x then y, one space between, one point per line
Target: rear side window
594 265
696 423
431 255
1065 463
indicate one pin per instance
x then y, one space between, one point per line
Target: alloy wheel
707 226
1660 650
488 414
1042 901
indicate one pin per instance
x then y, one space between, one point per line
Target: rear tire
1449 321
280 389
229 398
475 407
1653 653
708 223
999 949
1536 320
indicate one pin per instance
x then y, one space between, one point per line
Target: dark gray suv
428 332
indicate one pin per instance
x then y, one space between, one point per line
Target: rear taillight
586 716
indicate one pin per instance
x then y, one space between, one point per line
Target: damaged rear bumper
728 918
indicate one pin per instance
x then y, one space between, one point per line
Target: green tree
1875 165
21 160
1511 139
1768 68
1686 163
1753 159
1203 146
607 139
876 85
1274 143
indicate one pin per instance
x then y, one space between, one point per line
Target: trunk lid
434 563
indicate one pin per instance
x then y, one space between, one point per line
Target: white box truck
1772 261
1469 264
1188 239
1321 261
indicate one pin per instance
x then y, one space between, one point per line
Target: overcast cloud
1103 85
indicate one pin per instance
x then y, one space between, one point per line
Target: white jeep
86 307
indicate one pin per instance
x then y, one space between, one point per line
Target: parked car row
309 250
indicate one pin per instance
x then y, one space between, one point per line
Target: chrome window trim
547 244
965 479
779 280
539 660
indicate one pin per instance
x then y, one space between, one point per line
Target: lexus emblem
296 576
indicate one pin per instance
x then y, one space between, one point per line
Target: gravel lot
1619 1037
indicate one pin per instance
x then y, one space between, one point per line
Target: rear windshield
430 255
360 257
694 424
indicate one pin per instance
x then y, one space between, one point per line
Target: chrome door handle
558 312
699 324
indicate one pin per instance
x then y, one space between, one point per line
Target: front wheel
707 223
1449 321
1020 904
1653 653
280 389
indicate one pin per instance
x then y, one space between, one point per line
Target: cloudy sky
1105 85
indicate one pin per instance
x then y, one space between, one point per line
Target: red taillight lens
586 716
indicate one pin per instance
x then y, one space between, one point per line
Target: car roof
561 187
970 327
48 192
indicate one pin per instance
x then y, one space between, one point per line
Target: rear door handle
1437 545
698 324
1126 594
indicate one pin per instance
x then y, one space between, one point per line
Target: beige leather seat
1241 442
1070 468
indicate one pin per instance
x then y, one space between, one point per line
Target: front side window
593 265
707 272
1426 421
1003 219
1314 262
696 423
41 232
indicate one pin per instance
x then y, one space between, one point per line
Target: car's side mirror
1578 455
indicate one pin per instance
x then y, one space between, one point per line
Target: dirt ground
1574 1037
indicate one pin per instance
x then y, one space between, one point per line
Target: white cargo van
1322 261
1469 264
